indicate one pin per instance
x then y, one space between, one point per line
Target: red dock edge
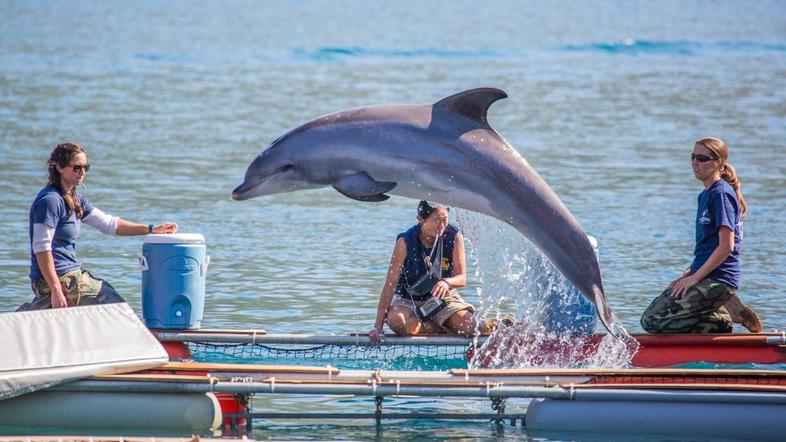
658 350
669 350
230 403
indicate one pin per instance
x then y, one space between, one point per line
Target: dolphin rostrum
445 152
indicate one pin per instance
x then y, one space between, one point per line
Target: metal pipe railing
310 339
489 391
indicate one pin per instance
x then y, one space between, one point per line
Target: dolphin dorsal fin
472 104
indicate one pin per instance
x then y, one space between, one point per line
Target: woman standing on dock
704 299
56 216
428 264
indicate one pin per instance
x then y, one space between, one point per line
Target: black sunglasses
701 158
79 168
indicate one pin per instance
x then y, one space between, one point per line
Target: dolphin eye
287 167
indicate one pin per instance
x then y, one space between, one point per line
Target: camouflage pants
699 310
79 288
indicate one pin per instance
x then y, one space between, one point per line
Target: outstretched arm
127 228
113 225
391 280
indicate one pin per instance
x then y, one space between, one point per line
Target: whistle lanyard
429 260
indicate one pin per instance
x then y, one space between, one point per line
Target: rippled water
173 100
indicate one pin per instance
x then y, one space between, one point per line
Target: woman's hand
58 300
440 289
165 228
57 297
375 335
680 286
688 280
686 273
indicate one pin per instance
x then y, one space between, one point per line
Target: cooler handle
143 263
203 267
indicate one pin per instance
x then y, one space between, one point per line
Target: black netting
325 352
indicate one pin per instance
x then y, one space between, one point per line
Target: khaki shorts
454 304
79 288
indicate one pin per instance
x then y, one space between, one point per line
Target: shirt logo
704 218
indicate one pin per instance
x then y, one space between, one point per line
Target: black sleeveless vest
414 264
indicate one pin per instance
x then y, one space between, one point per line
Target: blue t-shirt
718 206
417 253
49 208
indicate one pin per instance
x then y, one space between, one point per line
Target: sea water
173 101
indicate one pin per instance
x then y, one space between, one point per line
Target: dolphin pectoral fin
473 104
360 186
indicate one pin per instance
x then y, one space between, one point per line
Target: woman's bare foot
742 314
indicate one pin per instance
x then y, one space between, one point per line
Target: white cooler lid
174 238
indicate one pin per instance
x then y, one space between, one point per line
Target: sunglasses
81 168
701 158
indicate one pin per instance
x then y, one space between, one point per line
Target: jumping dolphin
445 152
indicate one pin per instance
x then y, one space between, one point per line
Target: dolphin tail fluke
605 314
361 187
473 104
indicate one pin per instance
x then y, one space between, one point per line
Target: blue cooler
173 280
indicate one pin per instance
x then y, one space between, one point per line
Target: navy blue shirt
49 208
718 206
415 265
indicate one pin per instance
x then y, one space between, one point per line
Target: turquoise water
173 100
712 365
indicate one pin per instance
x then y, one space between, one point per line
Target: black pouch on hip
422 286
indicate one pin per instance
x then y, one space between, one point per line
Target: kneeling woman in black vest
428 264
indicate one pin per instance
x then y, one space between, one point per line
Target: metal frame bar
260 336
309 339
373 389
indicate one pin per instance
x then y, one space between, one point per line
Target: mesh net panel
326 352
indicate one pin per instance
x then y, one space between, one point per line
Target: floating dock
199 397
732 403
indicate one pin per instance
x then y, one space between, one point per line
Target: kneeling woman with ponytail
704 299
56 217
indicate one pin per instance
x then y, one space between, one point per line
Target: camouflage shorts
79 288
699 310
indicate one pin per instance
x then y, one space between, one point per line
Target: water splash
554 322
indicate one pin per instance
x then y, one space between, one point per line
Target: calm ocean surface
174 99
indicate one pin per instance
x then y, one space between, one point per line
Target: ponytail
730 176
